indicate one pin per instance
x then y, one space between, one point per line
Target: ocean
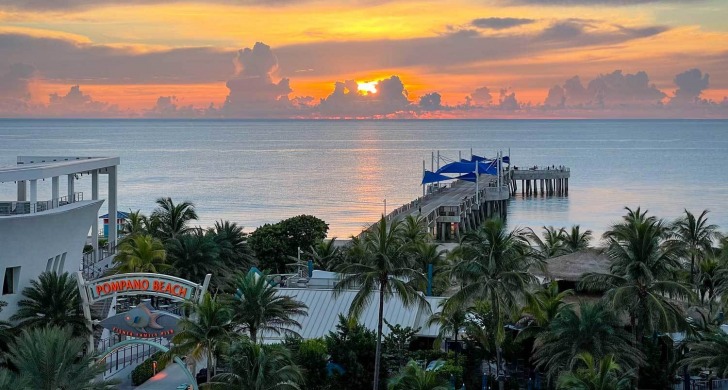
261 171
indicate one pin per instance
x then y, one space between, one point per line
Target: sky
364 59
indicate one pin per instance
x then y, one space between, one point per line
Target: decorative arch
190 377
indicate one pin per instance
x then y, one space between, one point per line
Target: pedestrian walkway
169 379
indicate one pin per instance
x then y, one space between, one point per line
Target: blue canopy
467 177
432 177
469 167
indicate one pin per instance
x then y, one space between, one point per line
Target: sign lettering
140 284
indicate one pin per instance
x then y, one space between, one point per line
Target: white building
38 235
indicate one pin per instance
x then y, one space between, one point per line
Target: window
10 281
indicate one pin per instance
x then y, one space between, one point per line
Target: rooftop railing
27 207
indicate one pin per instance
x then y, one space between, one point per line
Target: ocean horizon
261 171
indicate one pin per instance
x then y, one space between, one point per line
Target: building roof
572 266
42 167
324 310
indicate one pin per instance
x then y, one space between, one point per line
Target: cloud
346 101
431 102
75 103
169 107
66 5
63 60
508 101
556 97
481 96
500 23
606 90
15 89
253 92
614 3
690 85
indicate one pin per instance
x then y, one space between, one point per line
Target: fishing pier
454 205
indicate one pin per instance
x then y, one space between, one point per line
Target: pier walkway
452 209
553 180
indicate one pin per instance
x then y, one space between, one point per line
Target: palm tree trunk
253 334
499 372
209 366
378 359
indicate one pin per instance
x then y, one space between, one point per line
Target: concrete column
33 195
112 205
55 190
95 196
22 191
71 179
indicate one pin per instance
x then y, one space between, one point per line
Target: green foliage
141 253
711 351
51 358
257 307
353 347
275 244
193 255
53 300
145 370
414 377
170 220
594 374
206 334
235 253
660 364
312 357
594 329
396 345
260 367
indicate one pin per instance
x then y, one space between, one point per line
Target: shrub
144 371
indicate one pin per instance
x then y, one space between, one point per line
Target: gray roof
572 266
324 310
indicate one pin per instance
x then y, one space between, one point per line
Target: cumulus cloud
500 23
169 107
508 100
346 101
253 92
556 97
690 85
76 103
606 90
431 102
15 88
481 96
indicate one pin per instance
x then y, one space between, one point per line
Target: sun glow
368 87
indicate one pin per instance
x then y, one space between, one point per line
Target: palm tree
52 300
194 255
51 358
710 279
9 380
260 367
710 352
258 307
136 224
644 263
413 377
595 375
171 219
414 229
234 250
205 332
494 267
325 254
576 240
385 268
542 307
593 328
141 253
695 237
426 254
552 243
450 323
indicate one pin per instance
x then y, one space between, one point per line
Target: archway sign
143 321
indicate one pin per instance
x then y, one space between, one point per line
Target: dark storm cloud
347 101
500 23
606 90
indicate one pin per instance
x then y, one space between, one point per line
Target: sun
368 87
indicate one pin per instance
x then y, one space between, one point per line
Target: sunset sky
364 58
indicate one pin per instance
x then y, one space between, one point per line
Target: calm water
254 172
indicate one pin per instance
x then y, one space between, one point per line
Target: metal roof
324 310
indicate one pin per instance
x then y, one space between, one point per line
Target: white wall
30 240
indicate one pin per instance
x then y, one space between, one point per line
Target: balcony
8 208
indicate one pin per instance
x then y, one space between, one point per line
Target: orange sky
126 55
